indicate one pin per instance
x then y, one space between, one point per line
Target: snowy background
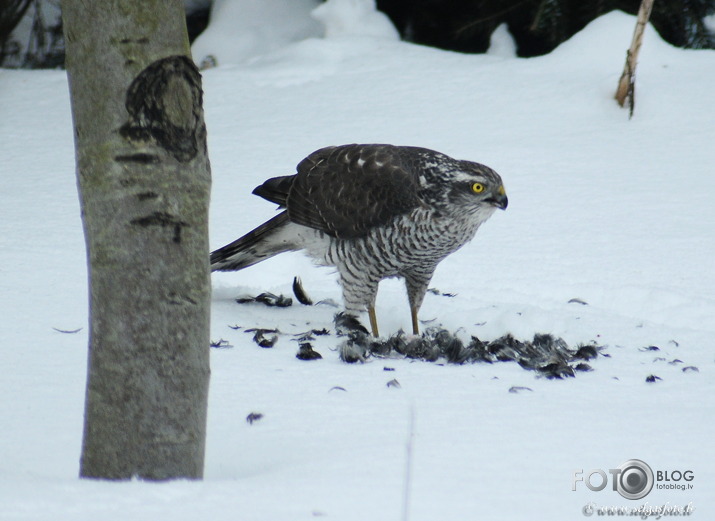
615 212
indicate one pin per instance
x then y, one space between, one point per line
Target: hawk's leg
417 284
373 321
359 293
415 324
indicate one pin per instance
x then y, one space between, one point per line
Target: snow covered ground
615 212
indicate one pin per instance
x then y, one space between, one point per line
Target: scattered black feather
651 379
306 352
517 389
304 337
418 347
359 344
254 417
549 356
269 299
557 369
691 369
546 354
437 292
337 388
310 335
264 337
265 341
394 383
235 327
452 347
220 344
578 301
388 368
352 352
328 302
586 352
346 324
300 293
68 331
650 348
675 361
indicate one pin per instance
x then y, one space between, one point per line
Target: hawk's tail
260 244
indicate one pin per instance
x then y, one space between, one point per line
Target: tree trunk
627 82
144 181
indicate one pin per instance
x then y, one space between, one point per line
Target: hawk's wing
346 190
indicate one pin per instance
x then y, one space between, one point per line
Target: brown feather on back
346 190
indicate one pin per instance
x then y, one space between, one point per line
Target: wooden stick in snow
626 85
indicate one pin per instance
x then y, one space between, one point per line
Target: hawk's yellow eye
477 188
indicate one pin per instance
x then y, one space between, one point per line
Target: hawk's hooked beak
500 199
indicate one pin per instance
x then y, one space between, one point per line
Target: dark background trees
31 31
538 26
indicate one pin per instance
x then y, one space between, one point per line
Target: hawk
373 211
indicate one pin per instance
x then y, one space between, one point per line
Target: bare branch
626 85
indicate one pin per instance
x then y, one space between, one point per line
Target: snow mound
607 38
354 18
709 22
501 43
242 29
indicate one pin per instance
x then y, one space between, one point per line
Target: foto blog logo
632 480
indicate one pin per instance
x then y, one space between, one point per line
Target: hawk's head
476 185
457 187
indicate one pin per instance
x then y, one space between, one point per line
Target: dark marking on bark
147 195
177 299
164 220
146 159
164 103
142 40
